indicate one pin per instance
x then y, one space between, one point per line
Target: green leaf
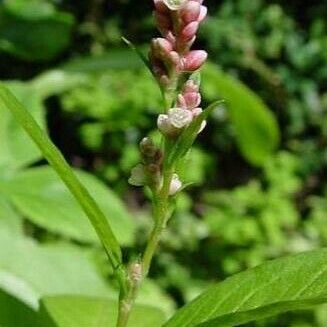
29 271
73 311
115 59
14 313
41 196
58 162
40 32
16 149
10 221
290 283
256 128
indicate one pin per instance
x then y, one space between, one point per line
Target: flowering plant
284 284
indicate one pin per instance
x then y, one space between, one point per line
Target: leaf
290 283
16 149
43 198
73 311
256 129
115 59
10 221
14 313
60 165
29 271
48 33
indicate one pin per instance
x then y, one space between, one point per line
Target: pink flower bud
203 14
181 101
191 86
161 47
174 58
189 31
190 12
192 99
194 60
175 185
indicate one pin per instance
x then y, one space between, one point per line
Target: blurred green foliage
259 171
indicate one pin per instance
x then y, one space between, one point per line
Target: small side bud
148 148
175 4
175 185
138 177
135 273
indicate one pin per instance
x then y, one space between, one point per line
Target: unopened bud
138 177
189 31
203 126
192 99
190 12
194 60
147 147
174 4
203 13
165 126
175 185
161 47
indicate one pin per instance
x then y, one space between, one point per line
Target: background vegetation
259 171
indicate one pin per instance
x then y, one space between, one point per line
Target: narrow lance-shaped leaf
58 162
290 283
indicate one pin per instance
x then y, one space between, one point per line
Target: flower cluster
187 108
178 22
149 171
171 58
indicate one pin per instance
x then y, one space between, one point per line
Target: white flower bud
175 185
174 4
203 126
138 177
179 117
165 126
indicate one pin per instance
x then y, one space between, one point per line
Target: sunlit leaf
256 129
285 284
73 311
42 198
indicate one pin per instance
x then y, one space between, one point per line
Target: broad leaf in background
10 221
16 149
255 126
289 283
29 271
41 197
73 311
14 313
40 32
